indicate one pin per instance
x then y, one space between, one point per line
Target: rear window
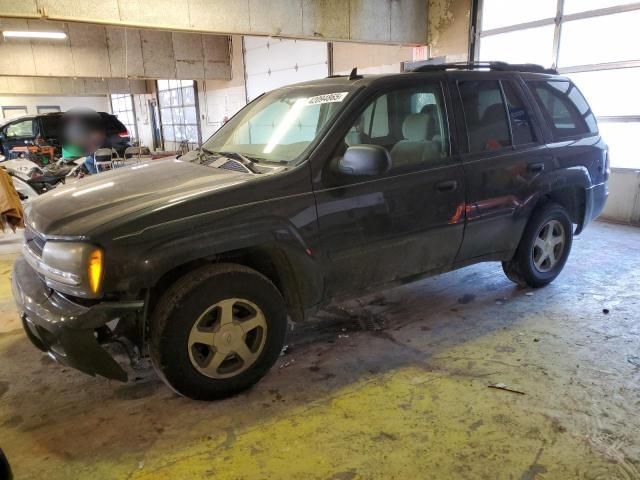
565 108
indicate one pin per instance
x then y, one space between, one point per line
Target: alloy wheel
227 338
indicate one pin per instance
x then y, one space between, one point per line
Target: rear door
404 222
504 155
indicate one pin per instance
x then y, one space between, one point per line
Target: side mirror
365 161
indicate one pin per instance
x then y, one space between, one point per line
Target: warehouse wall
369 58
384 21
106 52
448 29
98 103
220 99
623 204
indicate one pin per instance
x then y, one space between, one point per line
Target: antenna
354 74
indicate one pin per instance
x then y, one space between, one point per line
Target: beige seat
415 148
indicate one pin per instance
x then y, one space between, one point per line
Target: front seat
415 148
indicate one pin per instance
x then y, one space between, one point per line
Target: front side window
485 115
20 129
280 125
565 108
410 123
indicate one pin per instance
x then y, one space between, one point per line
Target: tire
196 308
540 258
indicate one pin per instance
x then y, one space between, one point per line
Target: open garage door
273 62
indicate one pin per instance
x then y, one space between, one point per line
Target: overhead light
29 34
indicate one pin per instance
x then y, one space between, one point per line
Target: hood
78 208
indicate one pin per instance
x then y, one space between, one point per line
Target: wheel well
573 199
270 261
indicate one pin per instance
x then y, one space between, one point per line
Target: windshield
281 124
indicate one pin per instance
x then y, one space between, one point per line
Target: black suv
311 192
48 126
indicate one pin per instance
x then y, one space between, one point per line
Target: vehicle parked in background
312 192
24 131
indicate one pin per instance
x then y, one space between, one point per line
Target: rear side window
565 108
485 115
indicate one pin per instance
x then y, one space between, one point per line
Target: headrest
414 127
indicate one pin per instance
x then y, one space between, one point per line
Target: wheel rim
227 338
549 246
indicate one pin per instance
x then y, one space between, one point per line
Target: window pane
623 144
175 97
608 90
618 37
188 96
565 108
165 115
165 98
532 45
518 115
174 83
179 132
186 83
178 115
485 115
167 131
502 13
191 132
575 6
190 115
163 84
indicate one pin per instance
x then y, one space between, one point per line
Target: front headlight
75 268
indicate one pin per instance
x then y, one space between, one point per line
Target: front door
406 221
19 133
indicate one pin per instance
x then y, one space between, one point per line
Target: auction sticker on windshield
327 98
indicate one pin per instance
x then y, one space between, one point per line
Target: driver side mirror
365 161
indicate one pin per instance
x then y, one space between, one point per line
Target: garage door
272 62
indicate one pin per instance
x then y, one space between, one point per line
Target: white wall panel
97 103
272 62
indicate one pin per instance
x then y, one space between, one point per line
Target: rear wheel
217 331
543 249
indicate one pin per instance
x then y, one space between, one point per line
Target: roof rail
494 66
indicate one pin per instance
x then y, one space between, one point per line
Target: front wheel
543 249
217 331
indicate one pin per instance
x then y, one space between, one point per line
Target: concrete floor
404 397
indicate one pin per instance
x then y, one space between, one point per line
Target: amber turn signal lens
95 270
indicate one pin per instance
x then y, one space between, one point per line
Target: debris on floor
605 311
502 386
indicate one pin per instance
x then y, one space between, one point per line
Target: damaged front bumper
64 329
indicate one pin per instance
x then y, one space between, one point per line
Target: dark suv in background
48 126
312 192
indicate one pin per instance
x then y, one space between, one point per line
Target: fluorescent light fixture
21 34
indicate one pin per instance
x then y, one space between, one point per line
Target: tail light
123 134
607 165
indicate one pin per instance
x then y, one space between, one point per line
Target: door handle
447 186
535 167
